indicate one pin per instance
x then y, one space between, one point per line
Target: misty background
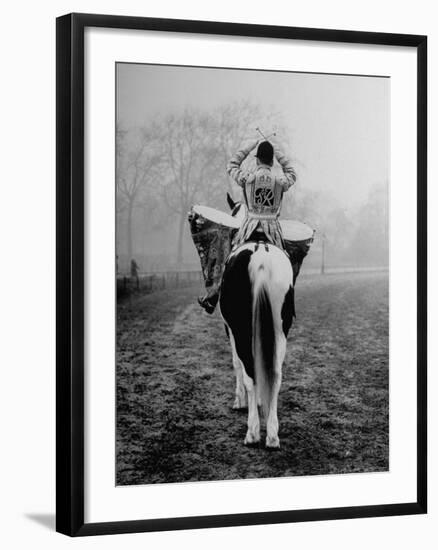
177 128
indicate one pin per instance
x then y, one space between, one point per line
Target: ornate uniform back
263 194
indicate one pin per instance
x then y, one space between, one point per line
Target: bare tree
136 171
178 160
190 162
369 243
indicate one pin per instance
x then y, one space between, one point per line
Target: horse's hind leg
253 433
240 400
272 440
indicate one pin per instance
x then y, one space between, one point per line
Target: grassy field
175 387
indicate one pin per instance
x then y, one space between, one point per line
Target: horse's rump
256 286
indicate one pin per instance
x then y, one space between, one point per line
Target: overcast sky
339 124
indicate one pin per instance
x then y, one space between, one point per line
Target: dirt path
175 387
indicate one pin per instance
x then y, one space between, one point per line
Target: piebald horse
256 304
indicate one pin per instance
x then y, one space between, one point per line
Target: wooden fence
151 282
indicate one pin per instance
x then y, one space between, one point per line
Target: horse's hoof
239 404
251 440
272 443
240 409
253 445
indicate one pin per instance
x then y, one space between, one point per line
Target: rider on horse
263 194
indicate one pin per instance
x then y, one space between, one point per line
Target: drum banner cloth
213 241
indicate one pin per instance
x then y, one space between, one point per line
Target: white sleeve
234 166
289 174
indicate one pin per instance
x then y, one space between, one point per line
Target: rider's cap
265 152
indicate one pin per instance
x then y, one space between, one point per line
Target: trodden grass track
175 387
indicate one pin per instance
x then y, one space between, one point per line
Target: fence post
323 255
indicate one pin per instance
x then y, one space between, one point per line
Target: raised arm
289 174
234 166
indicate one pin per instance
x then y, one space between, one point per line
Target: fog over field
178 126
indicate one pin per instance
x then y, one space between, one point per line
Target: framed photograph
241 274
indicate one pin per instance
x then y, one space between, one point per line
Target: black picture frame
70 273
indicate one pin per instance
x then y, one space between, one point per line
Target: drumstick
263 136
260 132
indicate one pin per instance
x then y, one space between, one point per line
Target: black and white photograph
217 270
252 261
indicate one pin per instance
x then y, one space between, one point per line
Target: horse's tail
263 339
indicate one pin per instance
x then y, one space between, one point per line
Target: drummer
263 193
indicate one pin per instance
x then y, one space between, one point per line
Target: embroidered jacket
263 193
